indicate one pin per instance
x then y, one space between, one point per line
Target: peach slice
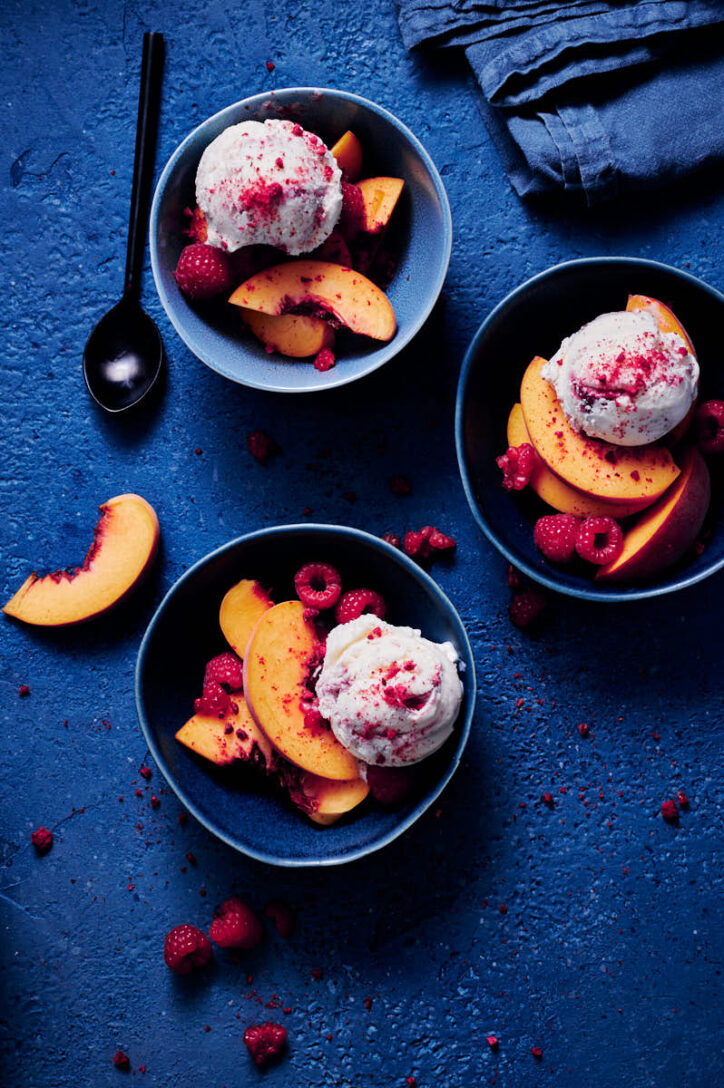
125 541
348 153
324 801
630 474
208 736
276 667
294 335
380 196
666 319
554 491
667 529
241 609
348 295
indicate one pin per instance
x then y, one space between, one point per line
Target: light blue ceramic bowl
422 224
240 807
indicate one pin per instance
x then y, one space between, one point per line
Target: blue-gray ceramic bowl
422 226
240 807
532 321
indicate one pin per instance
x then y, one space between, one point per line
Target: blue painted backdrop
609 955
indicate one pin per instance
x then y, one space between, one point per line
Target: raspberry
265 1042
391 786
555 536
526 606
324 360
261 446
203 271
282 916
669 811
227 670
517 464
710 426
393 539
352 217
400 485
121 1061
359 601
236 925
318 585
185 948
422 544
214 702
42 840
599 540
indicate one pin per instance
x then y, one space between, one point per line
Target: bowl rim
386 351
466 656
542 576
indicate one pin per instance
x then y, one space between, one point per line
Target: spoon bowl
123 357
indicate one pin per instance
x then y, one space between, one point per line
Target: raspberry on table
236 925
203 271
393 539
265 1042
318 585
555 536
427 541
599 540
526 607
517 464
121 1060
42 839
227 670
261 446
669 811
186 948
710 426
358 601
324 359
214 702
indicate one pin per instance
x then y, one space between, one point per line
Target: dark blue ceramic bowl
422 228
240 807
532 321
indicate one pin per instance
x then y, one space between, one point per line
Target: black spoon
124 353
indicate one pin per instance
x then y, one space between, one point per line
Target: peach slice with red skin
629 474
295 335
323 800
348 153
210 737
276 668
379 198
349 296
668 528
125 542
241 609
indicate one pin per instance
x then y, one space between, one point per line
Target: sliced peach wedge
295 335
348 153
324 801
241 609
380 197
125 542
347 295
209 736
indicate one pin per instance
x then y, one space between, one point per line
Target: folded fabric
589 97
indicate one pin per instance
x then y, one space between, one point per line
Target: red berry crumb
400 485
428 541
318 585
683 799
265 1042
527 606
583 729
393 539
324 360
391 786
203 271
185 948
227 670
352 216
42 839
261 446
282 916
514 578
710 426
358 601
411 1082
236 925
121 1061
517 464
145 772
492 1041
599 540
270 66
24 691
555 536
214 702
536 1052
669 811
547 799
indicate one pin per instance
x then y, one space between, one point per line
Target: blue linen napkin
589 97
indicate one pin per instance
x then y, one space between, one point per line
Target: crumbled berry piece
583 729
517 464
282 916
236 925
318 585
352 216
358 601
155 802
24 691
185 948
42 839
145 772
513 578
683 799
313 720
669 811
400 485
411 1082
261 446
227 670
391 786
547 799
324 359
536 1052
710 426
121 1061
203 271
393 539
527 606
492 1041
270 66
555 536
599 540
214 702
427 541
265 1042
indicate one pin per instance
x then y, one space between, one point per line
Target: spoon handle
146 128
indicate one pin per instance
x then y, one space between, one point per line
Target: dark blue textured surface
609 955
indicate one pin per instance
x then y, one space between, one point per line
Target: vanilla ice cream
269 184
390 696
621 379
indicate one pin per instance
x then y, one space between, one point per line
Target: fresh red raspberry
599 540
203 271
400 485
261 446
265 1042
358 601
318 585
282 916
393 539
121 1061
517 464
555 535
324 359
669 811
427 541
352 217
225 669
710 426
42 839
236 925
185 948
527 606
391 786
214 702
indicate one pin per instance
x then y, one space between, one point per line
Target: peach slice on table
209 736
276 668
629 474
556 492
241 609
666 530
294 335
125 542
349 296
379 197
348 153
325 801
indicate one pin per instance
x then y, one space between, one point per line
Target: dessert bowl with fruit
307 691
299 239
590 428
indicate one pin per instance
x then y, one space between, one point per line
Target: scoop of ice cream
621 379
390 696
269 184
